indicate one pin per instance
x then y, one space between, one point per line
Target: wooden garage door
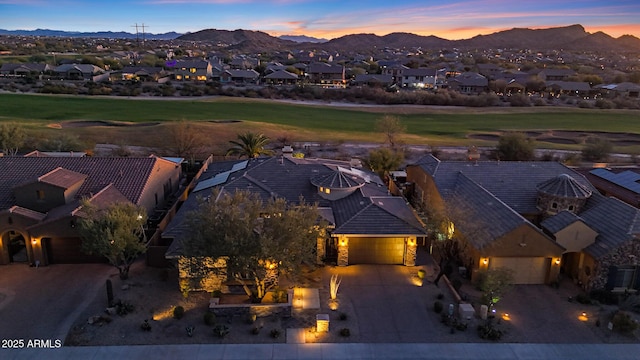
376 250
526 270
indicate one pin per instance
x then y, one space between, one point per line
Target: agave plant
334 285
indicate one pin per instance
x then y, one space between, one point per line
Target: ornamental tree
115 232
257 239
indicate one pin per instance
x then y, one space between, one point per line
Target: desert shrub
489 332
539 102
255 330
604 104
275 333
123 307
343 316
209 318
596 149
145 326
221 330
457 284
178 312
583 299
440 296
604 296
345 332
519 100
623 323
584 104
437 307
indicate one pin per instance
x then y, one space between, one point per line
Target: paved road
42 303
338 351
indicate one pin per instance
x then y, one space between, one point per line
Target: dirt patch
558 140
224 121
569 137
486 137
92 123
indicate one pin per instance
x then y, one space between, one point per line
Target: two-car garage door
526 270
376 250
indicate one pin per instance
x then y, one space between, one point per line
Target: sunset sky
324 19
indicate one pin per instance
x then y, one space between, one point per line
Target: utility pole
137 39
143 40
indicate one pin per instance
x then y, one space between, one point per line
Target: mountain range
573 37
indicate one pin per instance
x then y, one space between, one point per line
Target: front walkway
337 351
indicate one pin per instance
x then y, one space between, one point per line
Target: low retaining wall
260 310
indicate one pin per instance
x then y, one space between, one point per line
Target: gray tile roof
370 210
559 221
493 194
514 183
564 186
615 221
478 214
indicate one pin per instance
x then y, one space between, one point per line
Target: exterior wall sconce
34 241
344 242
485 261
411 242
558 261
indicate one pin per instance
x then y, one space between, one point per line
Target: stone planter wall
260 310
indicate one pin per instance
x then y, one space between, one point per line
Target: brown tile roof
62 178
128 175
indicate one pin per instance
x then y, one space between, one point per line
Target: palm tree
250 145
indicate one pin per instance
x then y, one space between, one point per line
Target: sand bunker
91 123
569 137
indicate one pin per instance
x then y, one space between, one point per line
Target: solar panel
220 178
239 166
627 179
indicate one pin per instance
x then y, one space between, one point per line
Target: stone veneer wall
545 201
626 254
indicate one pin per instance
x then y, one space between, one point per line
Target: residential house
625 89
539 219
571 88
489 70
367 224
240 76
26 69
556 74
142 73
422 78
469 83
281 77
395 70
78 71
326 74
191 70
375 80
40 200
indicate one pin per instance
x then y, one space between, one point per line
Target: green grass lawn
445 125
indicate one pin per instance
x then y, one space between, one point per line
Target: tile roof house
367 224
469 83
537 218
281 77
326 74
24 69
40 198
192 70
78 71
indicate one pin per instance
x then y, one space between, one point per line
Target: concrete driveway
42 303
390 307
